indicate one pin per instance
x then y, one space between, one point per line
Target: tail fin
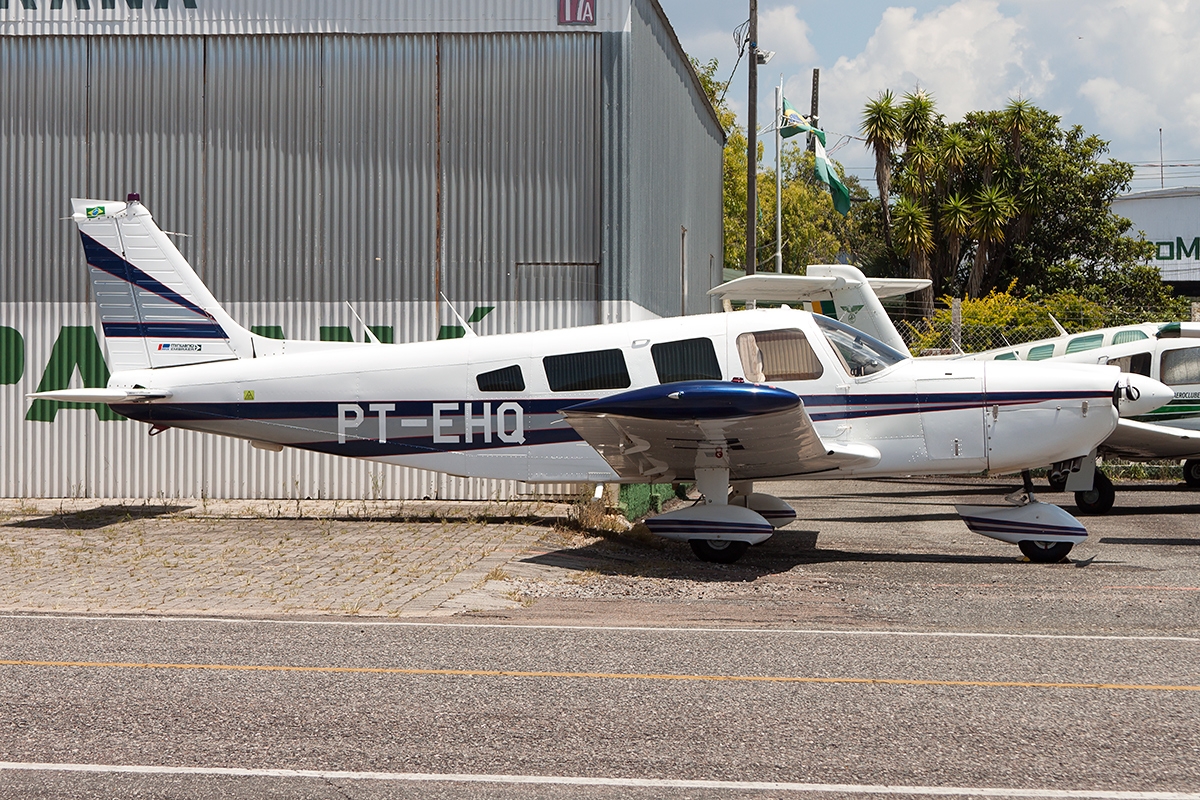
154 309
836 290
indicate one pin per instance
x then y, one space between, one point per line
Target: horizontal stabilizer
102 395
837 290
776 288
1036 521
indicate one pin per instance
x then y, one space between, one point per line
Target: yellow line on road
626 676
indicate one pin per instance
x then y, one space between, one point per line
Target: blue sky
1120 68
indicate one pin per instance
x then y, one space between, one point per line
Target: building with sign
1171 219
539 163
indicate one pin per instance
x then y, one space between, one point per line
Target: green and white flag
792 124
826 174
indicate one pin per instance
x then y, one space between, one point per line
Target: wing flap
664 433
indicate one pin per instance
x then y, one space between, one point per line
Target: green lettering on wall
1182 251
268 331
452 332
76 347
336 333
12 356
384 333
1170 256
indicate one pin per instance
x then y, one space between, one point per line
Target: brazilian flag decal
96 211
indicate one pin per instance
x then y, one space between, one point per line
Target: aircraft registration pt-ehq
721 400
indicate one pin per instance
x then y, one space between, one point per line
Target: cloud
781 29
968 55
1136 66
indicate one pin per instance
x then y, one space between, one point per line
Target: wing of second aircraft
1142 440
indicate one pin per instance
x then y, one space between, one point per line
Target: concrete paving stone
263 558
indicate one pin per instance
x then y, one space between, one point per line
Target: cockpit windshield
862 354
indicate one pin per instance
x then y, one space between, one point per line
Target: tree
733 165
813 232
914 234
881 124
990 210
1012 197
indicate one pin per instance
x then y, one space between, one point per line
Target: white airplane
1167 351
723 400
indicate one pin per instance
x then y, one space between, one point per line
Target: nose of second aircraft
1138 394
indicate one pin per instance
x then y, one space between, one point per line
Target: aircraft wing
1142 440
664 433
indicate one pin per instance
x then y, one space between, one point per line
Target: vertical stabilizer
856 303
154 309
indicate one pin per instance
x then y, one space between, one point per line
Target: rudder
154 310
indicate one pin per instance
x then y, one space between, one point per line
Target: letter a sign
576 12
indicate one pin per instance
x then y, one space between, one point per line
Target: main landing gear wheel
718 551
1099 500
1045 552
1191 472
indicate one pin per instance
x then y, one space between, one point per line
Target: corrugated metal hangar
1171 219
554 161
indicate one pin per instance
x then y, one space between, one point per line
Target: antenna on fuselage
467 332
370 333
1061 330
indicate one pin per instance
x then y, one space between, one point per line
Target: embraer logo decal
86 5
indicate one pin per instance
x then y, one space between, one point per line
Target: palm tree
956 223
914 233
988 150
990 211
954 152
920 164
881 126
1018 116
917 116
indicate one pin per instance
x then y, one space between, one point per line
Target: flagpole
778 178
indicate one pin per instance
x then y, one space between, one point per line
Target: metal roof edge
696 84
1174 191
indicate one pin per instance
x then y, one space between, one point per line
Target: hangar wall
486 154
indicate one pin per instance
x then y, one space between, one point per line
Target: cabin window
1134 335
1137 364
1007 357
581 372
1082 343
1181 366
1041 352
508 379
862 354
688 360
778 356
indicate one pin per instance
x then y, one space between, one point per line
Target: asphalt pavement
876 648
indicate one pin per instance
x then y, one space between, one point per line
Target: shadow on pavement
780 554
95 518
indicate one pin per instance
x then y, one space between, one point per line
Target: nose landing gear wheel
1191 472
1045 552
1099 500
718 551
